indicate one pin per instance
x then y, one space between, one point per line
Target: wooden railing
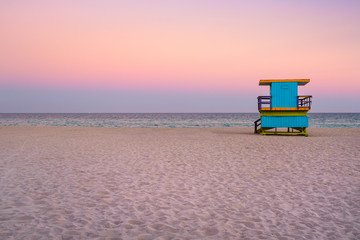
304 101
257 123
266 102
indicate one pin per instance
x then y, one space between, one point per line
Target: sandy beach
161 183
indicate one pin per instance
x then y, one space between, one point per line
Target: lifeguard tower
284 108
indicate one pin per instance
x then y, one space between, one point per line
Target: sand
209 183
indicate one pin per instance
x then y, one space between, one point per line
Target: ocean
165 120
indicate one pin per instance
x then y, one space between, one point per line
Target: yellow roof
301 82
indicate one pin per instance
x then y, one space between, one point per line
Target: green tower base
301 131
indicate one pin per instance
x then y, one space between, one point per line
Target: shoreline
313 131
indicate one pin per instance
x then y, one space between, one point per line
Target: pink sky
184 46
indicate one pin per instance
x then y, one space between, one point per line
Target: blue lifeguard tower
284 108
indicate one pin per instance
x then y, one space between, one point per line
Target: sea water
165 120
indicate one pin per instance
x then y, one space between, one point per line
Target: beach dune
162 183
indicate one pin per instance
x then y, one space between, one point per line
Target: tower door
284 94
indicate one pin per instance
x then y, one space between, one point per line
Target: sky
175 55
